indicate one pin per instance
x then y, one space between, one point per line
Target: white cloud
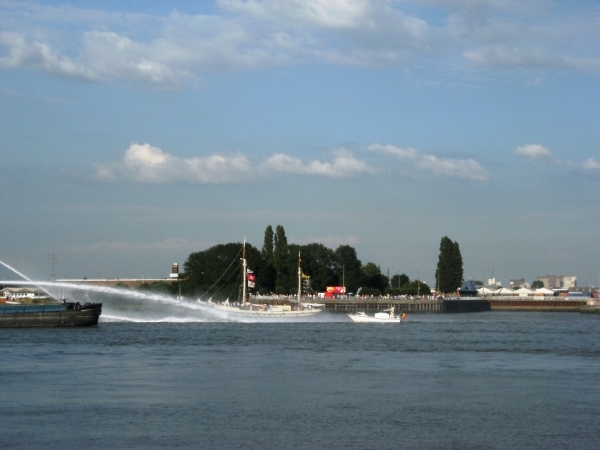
409 154
466 169
113 56
533 151
372 15
35 55
341 32
344 164
328 14
591 164
143 163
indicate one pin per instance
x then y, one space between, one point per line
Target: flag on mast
251 278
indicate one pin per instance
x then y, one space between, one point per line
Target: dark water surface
468 381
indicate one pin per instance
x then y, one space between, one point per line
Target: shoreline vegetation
214 272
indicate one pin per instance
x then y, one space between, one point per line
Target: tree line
217 271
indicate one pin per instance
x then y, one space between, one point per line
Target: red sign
336 290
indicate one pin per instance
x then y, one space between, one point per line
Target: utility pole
52 260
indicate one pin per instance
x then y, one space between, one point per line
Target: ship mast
244 273
299 280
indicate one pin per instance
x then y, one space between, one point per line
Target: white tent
543 291
524 292
504 291
484 291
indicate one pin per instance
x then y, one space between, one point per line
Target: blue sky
133 133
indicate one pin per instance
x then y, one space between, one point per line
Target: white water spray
141 307
14 270
152 307
21 275
146 306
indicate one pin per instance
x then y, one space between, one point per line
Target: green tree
279 240
414 287
449 272
373 278
537 284
348 268
281 258
267 250
287 273
160 287
400 280
318 262
217 271
270 273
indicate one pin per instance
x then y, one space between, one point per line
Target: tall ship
65 314
273 308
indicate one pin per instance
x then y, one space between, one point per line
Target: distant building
467 289
569 282
22 292
559 281
174 271
516 284
492 282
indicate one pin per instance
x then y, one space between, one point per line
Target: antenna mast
52 259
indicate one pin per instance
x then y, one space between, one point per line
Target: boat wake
135 319
126 305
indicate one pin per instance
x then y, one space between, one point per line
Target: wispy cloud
170 49
329 241
126 246
516 57
466 169
534 152
591 164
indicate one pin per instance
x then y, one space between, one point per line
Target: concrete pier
533 304
374 305
453 305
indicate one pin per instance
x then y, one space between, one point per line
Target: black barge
66 314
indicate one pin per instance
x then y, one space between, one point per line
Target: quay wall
532 304
375 305
453 305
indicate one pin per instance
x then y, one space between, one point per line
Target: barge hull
86 316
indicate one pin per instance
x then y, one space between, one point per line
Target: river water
491 380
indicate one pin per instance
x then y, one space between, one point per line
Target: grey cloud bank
181 47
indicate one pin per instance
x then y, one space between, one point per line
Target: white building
22 292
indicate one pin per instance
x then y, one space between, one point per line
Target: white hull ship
246 308
386 316
265 310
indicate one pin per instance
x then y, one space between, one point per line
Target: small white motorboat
386 316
